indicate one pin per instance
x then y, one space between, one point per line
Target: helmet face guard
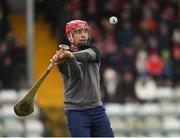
75 26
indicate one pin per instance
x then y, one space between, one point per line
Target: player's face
80 36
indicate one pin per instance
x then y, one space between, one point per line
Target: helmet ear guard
70 38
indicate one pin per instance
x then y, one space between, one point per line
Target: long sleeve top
82 79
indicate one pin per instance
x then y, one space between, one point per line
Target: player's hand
54 59
64 54
60 56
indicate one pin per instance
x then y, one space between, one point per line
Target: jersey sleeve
70 68
91 54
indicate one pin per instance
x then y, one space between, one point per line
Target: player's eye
86 30
82 30
78 31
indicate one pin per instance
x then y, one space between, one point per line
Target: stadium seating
148 119
130 119
33 127
8 96
12 125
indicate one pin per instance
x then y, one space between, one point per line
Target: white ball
113 20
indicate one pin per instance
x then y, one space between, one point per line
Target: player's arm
90 55
67 64
73 68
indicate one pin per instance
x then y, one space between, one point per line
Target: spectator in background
13 62
7 79
126 31
73 10
127 61
8 73
147 24
176 36
138 43
3 50
178 19
146 89
125 34
154 7
176 54
18 55
168 64
9 63
168 18
176 63
111 80
153 45
125 89
4 24
91 10
154 65
141 60
164 41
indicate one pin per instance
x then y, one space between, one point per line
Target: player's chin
82 43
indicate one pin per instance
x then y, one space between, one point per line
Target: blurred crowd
12 55
139 53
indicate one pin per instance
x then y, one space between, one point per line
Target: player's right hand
54 59
60 56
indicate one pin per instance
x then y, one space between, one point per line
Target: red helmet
75 24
